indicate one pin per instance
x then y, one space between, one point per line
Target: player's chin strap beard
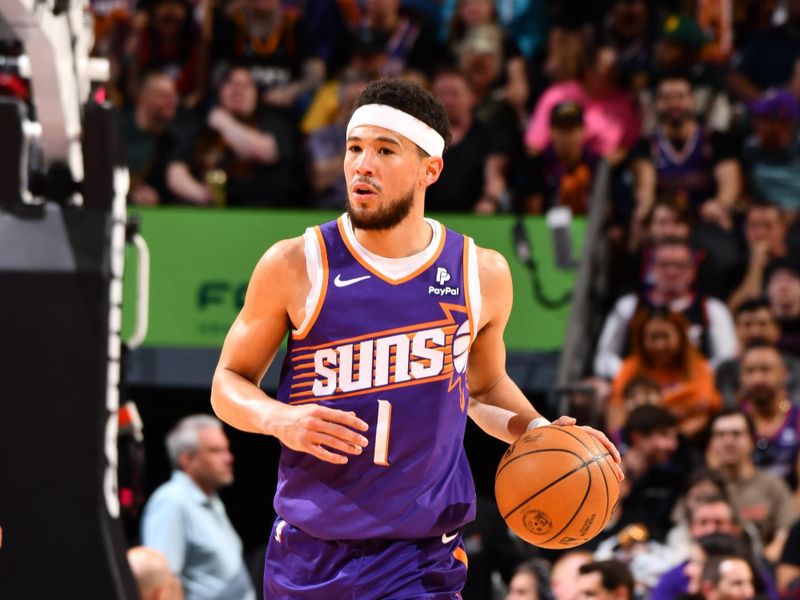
410 127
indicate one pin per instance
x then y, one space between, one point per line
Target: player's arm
275 300
497 405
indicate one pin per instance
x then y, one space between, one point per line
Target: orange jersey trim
301 334
444 375
461 556
368 267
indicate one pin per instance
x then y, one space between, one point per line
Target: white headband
381 115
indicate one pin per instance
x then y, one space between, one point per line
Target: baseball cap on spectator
775 104
566 114
683 30
782 264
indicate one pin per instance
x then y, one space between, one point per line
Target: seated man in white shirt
186 521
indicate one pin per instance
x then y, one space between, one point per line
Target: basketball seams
605 481
584 465
580 506
540 450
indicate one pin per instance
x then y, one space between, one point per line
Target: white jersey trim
474 287
314 270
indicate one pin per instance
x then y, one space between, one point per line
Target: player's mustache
368 181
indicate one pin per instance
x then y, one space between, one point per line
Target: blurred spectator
711 326
661 351
787 572
326 148
678 50
760 497
710 515
755 322
408 40
605 580
727 578
480 59
154 579
524 21
771 157
239 156
640 391
512 82
149 141
627 30
562 174
186 520
653 479
612 119
274 42
783 292
683 157
565 572
702 483
528 582
475 178
765 236
715 18
768 59
708 548
777 422
751 17
167 39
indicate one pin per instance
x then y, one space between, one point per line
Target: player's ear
433 168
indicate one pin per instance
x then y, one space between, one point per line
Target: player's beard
386 217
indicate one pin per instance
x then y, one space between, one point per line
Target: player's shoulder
282 263
492 266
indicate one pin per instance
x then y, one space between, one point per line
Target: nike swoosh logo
339 282
446 539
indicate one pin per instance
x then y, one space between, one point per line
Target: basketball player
396 332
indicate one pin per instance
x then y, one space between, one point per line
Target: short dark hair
714 499
673 241
752 305
536 569
613 573
759 343
713 563
411 98
730 411
646 419
640 381
673 75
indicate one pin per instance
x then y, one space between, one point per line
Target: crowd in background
694 104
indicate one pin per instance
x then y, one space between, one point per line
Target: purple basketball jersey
394 353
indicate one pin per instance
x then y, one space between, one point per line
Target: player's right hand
326 433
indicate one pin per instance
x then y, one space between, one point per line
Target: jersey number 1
381 456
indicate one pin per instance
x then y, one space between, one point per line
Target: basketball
556 487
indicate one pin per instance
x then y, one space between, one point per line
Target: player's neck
409 237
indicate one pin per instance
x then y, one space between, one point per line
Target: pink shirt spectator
612 122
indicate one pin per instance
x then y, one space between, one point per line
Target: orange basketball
556 487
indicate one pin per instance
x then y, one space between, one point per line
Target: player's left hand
565 421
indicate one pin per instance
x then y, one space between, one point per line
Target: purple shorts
299 567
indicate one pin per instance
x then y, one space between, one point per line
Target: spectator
765 235
768 60
512 81
703 483
475 178
678 50
186 520
562 174
527 582
682 157
772 154
605 580
565 572
149 140
612 119
760 497
754 322
326 150
783 292
777 422
639 391
727 578
251 153
653 479
154 579
276 46
710 515
707 548
711 327
165 38
408 40
627 30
